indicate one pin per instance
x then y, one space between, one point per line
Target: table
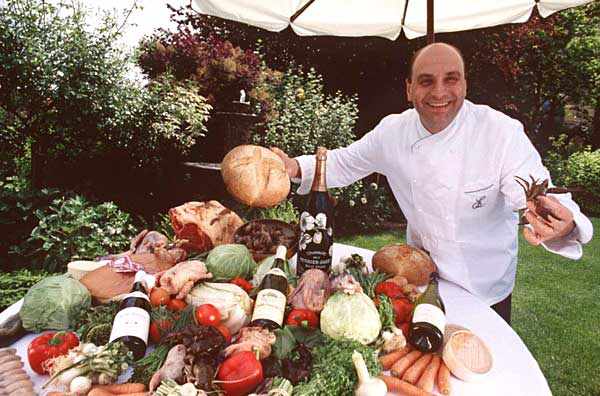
515 370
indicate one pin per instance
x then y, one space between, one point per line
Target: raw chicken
253 339
171 369
181 278
312 292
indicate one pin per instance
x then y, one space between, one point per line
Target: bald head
442 52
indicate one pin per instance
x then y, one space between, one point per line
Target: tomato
158 328
243 283
302 317
402 310
225 331
176 304
240 374
159 296
390 289
208 315
47 346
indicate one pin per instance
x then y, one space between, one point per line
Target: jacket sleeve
349 164
522 159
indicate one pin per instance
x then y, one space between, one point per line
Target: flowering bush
219 69
75 229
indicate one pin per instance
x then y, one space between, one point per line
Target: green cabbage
351 316
226 262
53 303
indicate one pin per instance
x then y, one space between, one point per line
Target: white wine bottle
132 323
316 223
429 319
271 299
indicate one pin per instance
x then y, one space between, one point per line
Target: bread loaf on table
204 224
255 176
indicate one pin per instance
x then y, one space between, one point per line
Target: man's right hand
291 165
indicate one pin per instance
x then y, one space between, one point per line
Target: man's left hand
558 222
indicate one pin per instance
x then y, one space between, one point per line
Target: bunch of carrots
129 389
415 373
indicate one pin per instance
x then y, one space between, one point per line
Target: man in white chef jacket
451 165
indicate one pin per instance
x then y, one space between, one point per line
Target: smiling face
437 86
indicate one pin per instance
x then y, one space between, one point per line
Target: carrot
427 380
402 387
443 379
413 373
387 361
405 362
96 391
123 389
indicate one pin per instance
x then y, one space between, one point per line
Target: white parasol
383 18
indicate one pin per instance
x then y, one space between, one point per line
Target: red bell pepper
402 310
243 283
302 317
390 289
47 346
240 374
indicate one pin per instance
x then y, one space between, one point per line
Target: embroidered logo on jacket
479 202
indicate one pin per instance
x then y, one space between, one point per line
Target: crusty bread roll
204 224
404 260
255 176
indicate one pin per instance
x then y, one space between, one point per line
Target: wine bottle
132 322
316 223
271 299
429 319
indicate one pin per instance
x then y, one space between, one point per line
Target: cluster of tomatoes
403 308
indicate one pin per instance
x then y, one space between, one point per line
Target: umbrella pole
430 32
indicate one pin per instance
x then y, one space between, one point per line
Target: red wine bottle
132 322
429 319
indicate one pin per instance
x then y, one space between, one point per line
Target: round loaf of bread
255 176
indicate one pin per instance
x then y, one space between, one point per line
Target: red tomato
243 283
47 346
225 331
302 317
208 315
176 304
390 289
158 328
402 310
240 374
159 296
405 327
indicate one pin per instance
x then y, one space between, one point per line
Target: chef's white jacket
457 191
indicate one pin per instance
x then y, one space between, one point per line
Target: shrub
18 204
76 229
556 158
14 285
583 170
285 211
307 117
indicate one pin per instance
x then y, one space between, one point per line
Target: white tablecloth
515 371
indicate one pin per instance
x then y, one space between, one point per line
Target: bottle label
315 243
277 272
270 304
136 294
131 321
429 313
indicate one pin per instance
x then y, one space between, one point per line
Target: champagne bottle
132 322
429 319
316 223
271 299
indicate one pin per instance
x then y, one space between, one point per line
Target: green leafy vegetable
145 368
95 323
333 372
290 336
53 303
386 312
368 281
229 261
353 316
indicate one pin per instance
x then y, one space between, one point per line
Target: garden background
90 154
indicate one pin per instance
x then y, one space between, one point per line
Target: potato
405 260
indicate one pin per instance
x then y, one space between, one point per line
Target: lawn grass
556 311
